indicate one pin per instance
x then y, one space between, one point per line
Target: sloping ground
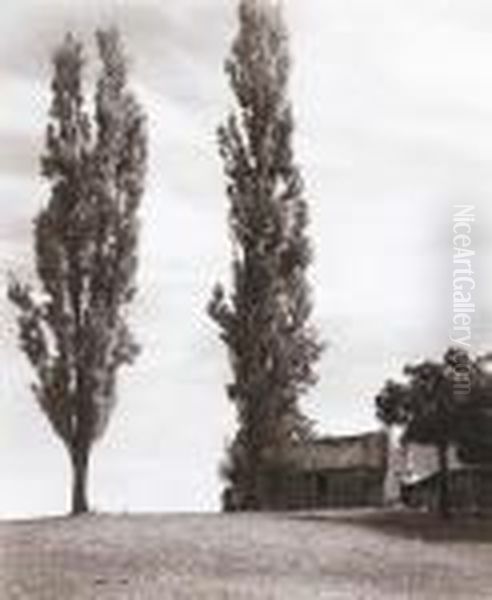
356 556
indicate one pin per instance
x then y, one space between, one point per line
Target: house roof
368 450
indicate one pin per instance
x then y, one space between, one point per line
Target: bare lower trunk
80 466
444 506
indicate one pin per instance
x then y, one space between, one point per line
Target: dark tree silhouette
265 321
431 411
475 440
73 329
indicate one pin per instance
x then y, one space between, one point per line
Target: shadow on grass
411 524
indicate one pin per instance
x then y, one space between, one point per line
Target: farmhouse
332 472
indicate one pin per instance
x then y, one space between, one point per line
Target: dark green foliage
74 330
265 321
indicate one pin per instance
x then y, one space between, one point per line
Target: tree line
73 324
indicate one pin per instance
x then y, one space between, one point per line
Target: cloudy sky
394 126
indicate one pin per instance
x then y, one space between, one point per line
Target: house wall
421 461
328 488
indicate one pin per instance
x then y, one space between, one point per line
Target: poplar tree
73 325
265 320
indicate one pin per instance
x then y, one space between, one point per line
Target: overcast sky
393 101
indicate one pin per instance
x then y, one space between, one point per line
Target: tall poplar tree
73 326
264 322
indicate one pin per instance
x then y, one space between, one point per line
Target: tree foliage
475 439
431 406
264 322
74 329
434 407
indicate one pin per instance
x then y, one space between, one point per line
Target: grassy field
352 556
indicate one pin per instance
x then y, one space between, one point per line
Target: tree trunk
250 485
249 498
444 506
80 467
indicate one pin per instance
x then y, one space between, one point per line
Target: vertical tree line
265 320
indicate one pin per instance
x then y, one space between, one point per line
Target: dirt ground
342 556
